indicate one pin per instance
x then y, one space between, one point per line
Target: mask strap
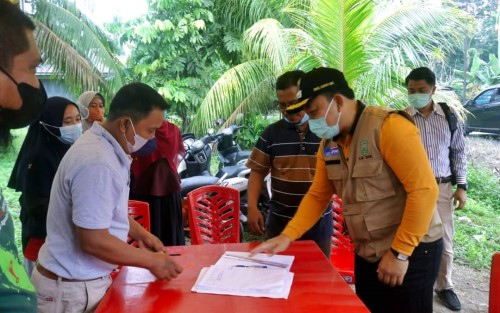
9 76
133 128
328 110
45 126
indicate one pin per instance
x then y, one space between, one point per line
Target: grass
7 160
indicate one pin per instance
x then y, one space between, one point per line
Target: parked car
485 111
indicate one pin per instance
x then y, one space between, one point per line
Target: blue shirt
90 190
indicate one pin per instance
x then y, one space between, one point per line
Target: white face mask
69 134
419 100
139 141
320 127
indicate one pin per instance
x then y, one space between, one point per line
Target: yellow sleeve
314 202
402 150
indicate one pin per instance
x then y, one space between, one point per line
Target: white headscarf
84 101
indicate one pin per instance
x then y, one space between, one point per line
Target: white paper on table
276 289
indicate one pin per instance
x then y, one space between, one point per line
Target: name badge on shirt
331 151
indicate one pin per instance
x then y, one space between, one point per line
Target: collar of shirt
123 157
436 108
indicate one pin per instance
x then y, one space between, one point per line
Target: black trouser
415 295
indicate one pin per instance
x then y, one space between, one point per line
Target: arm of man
145 239
255 220
402 150
459 163
259 162
309 212
104 246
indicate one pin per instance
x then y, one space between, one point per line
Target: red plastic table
317 286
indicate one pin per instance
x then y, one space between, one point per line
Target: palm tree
373 43
75 48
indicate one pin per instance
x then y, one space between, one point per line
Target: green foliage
7 159
177 49
373 44
477 231
81 54
254 126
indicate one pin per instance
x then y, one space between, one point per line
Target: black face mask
33 102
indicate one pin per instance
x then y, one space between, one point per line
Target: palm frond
84 38
231 89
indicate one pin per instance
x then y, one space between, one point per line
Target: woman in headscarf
93 104
44 146
155 180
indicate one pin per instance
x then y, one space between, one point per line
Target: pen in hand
254 266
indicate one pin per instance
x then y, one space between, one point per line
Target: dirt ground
471 286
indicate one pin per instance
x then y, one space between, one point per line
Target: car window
485 98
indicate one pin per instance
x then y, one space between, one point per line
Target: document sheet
237 274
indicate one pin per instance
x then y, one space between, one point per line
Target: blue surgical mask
419 100
147 149
320 127
304 119
69 134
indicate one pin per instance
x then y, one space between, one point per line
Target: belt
50 275
443 180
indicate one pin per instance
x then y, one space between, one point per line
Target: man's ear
433 90
123 124
339 100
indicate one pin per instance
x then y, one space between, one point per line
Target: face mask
139 141
322 129
304 119
147 149
69 134
419 100
33 102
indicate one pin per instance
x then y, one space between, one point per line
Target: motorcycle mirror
218 122
210 131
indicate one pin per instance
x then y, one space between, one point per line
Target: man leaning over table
374 158
87 221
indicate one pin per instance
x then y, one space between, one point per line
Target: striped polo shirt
291 157
437 140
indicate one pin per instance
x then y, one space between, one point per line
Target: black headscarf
41 152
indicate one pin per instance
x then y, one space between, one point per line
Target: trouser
445 209
58 296
321 232
415 295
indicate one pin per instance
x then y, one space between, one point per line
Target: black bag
452 119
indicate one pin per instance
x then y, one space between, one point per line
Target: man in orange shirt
374 159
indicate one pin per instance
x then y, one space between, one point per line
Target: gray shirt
90 190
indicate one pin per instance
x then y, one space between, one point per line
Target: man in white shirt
87 221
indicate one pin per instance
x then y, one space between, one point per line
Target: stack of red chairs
342 255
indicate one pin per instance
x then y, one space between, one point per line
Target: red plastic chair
214 215
494 306
342 254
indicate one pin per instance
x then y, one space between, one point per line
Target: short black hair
288 79
421 73
13 40
135 100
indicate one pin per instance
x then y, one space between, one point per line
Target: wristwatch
462 186
400 256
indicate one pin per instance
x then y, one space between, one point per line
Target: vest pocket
372 181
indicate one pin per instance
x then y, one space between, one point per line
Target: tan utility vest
373 197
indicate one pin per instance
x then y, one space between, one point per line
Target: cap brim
296 107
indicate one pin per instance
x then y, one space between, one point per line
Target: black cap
316 82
